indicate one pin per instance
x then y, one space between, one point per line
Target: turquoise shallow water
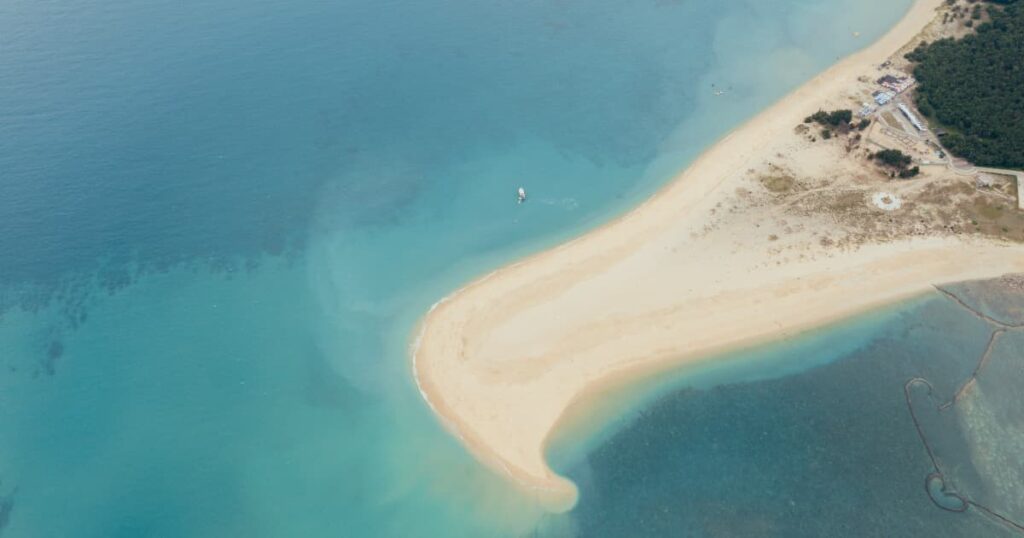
221 222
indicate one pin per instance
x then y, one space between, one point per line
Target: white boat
522 195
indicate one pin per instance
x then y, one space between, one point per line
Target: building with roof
883 98
912 117
896 84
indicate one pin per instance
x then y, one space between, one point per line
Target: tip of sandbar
556 495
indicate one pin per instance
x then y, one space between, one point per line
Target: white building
883 97
912 117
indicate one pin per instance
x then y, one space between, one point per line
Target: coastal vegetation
833 119
779 183
837 121
898 162
974 87
908 173
893 157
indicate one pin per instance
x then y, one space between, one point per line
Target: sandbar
688 274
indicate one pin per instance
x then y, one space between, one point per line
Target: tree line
974 88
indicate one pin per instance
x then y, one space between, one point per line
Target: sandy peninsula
770 232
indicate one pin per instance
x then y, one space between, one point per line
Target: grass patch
849 201
988 209
779 184
994 217
891 120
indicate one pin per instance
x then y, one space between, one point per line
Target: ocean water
221 221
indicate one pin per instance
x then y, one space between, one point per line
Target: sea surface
220 222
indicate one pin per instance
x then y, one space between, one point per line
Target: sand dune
668 284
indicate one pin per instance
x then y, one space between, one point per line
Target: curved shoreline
500 360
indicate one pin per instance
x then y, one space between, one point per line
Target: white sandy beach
673 282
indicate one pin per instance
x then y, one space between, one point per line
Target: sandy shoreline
668 284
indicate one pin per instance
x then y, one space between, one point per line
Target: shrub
907 173
893 157
833 119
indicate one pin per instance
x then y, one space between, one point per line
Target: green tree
974 87
831 119
893 157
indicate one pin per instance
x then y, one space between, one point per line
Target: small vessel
521 195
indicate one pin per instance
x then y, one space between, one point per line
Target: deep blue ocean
220 221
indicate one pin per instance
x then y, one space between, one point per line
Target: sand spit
697 269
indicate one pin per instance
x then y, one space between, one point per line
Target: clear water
221 221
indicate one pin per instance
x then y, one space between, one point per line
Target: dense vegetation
974 87
834 118
898 161
893 157
838 120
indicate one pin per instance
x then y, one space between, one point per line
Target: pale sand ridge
502 359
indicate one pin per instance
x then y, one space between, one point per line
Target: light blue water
222 220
